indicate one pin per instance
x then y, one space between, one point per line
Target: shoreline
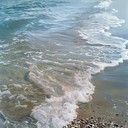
108 106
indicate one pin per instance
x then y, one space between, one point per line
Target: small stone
117 114
99 118
76 126
91 117
87 119
116 125
69 126
121 126
72 122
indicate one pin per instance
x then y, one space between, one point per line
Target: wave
59 110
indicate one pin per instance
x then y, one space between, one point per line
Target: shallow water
112 88
48 52
110 100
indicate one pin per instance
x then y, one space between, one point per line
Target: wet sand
110 100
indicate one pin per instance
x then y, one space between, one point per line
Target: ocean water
48 51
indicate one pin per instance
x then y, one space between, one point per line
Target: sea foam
58 111
104 4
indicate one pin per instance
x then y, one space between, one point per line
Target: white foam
4 86
104 4
56 112
17 85
13 97
102 65
54 62
98 24
22 97
7 92
21 106
4 45
56 54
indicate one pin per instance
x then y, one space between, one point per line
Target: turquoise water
48 52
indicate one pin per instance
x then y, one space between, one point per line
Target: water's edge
110 99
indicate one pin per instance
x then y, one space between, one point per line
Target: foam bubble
56 112
21 106
7 92
104 4
17 85
22 97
